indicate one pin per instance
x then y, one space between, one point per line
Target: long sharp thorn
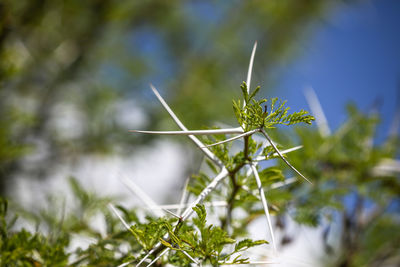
125 264
180 124
114 210
283 152
234 138
185 205
285 182
190 257
148 254
142 196
395 124
250 70
264 145
317 111
282 157
289 150
264 203
210 187
194 132
171 213
183 197
253 263
274 185
159 256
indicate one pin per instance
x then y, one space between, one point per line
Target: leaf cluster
252 115
22 248
207 243
355 180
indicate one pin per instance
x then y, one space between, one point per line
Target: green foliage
207 243
23 248
252 115
68 61
20 247
354 182
147 235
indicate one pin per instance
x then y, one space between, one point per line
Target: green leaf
200 221
165 243
243 86
253 94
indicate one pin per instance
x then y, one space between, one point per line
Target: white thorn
185 205
283 183
259 158
115 211
190 257
148 254
264 203
234 138
264 145
206 151
171 213
237 130
141 195
210 187
249 71
282 157
317 111
183 197
125 264
159 256
252 263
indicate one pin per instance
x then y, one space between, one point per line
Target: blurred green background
74 78
74 75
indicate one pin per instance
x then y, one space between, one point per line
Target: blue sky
352 56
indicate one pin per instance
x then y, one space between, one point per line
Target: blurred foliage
356 190
74 74
56 245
